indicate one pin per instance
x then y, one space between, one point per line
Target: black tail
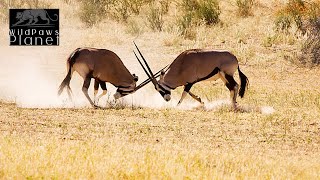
244 83
66 82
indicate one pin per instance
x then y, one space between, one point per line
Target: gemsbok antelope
196 65
104 66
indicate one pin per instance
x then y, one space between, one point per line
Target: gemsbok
196 65
104 66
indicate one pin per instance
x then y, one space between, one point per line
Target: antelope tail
244 83
66 82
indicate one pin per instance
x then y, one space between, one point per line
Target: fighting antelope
104 66
196 65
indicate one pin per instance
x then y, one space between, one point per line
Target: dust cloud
31 80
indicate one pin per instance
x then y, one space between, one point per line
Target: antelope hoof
96 107
235 107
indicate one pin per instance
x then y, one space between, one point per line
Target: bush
297 13
185 26
311 48
209 11
133 27
5 5
121 10
196 12
93 11
155 17
202 10
245 7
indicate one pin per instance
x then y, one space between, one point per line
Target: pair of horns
148 71
151 77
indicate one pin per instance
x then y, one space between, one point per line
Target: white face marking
167 97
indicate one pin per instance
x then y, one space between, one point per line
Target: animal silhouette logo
34 27
31 17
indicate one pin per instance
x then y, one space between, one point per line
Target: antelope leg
69 92
95 92
104 92
186 90
182 97
85 88
196 97
233 87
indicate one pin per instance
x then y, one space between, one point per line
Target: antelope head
164 91
123 91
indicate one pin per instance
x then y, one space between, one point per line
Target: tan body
196 65
193 65
102 65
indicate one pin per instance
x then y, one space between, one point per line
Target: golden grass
163 143
147 143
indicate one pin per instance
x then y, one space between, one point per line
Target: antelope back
195 64
104 65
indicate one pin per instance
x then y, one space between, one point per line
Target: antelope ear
135 77
161 75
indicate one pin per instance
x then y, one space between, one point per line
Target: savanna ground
276 135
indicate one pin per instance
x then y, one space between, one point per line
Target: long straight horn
148 80
145 62
142 65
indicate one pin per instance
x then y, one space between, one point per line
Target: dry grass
134 141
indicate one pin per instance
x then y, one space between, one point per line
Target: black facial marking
163 91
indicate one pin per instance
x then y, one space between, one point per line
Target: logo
34 27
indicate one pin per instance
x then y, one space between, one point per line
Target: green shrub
245 7
197 12
201 10
209 11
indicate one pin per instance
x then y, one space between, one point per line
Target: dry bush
133 27
121 10
305 16
245 7
209 11
19 4
185 26
93 11
197 12
297 13
155 17
135 5
311 48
